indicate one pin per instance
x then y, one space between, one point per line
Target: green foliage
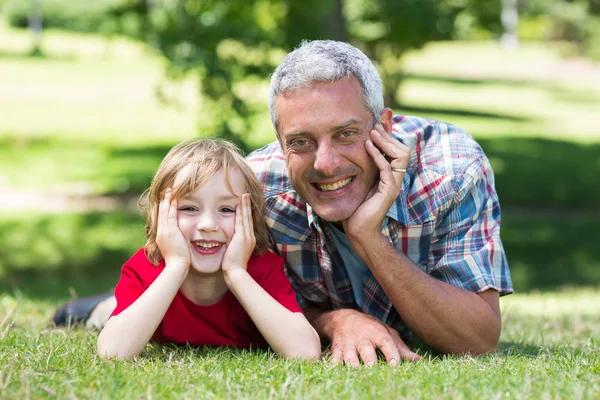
101 16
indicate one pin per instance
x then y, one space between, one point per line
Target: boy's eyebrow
223 197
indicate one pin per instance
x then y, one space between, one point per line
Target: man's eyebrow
345 125
336 128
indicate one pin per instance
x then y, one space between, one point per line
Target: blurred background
94 93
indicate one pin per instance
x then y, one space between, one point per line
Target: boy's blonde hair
203 159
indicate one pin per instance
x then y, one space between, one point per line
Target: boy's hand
243 242
173 246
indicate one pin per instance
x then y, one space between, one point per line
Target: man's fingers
367 352
390 351
337 355
406 354
386 143
351 357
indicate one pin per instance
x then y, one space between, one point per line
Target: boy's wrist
234 276
177 266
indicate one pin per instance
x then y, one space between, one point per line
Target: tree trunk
510 21
594 7
334 22
35 22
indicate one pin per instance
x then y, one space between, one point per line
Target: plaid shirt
446 220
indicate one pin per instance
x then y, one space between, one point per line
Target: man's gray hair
326 61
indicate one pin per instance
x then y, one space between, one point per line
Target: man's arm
448 318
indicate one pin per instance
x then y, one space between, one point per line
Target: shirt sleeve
467 239
273 279
130 286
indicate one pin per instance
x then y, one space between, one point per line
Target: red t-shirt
224 323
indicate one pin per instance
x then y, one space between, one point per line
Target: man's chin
331 213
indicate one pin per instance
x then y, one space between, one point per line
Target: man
389 226
373 250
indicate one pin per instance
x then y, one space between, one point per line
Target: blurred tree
233 45
35 22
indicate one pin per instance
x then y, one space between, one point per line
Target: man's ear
385 118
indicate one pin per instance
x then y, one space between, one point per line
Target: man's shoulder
436 145
268 164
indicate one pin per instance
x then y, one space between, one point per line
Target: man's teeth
207 245
333 186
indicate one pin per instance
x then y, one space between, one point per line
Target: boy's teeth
207 245
333 186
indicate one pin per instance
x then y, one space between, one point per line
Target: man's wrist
325 321
362 243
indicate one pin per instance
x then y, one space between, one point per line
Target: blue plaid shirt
446 220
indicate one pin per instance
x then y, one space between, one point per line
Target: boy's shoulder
142 267
261 264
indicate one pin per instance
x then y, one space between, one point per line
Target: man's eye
347 134
298 143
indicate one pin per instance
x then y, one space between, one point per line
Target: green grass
549 349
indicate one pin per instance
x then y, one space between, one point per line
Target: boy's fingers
248 215
163 210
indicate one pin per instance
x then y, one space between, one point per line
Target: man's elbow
485 343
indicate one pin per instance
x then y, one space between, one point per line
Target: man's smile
328 187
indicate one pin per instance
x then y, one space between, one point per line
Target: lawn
82 131
549 348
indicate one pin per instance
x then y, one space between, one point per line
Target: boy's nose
206 222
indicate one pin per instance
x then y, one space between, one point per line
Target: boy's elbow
310 351
308 354
107 351
111 353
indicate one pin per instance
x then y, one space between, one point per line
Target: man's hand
382 147
356 334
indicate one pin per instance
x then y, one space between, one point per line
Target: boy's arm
125 335
288 333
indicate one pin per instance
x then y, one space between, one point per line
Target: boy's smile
206 218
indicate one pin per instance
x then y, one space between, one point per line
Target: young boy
206 276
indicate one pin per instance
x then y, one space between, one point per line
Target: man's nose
327 159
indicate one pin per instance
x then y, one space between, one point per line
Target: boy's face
206 218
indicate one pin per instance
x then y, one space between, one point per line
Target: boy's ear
386 119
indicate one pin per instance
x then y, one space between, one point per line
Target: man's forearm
449 319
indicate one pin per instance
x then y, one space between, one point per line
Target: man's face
323 129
